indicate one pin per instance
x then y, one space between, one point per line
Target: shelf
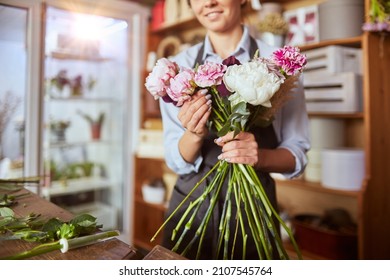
57 145
66 55
355 42
72 186
338 115
316 187
305 255
84 99
177 26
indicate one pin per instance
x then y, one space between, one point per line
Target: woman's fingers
242 149
194 113
242 136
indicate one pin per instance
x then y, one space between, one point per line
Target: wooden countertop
160 253
111 249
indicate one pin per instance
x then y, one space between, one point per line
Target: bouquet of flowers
243 95
379 17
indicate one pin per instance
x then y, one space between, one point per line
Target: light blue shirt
290 124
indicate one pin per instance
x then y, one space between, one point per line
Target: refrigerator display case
85 100
82 103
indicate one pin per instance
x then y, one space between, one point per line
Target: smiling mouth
212 14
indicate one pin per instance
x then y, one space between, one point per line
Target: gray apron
266 138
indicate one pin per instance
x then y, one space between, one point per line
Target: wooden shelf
177 26
305 255
191 23
355 42
316 187
338 115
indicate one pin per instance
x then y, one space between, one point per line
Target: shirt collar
243 46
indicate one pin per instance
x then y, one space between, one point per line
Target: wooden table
160 253
111 249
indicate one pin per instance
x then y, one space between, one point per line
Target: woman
191 149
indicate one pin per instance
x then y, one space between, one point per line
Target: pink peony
182 86
158 80
209 74
289 59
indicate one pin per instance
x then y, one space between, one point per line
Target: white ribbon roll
65 245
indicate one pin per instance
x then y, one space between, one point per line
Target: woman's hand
194 113
242 149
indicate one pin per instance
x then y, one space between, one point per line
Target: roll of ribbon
168 46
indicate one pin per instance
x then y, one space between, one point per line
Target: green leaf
30 235
225 129
82 218
240 108
51 227
84 224
6 212
7 200
66 231
4 222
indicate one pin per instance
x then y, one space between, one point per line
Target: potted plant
273 28
58 129
96 124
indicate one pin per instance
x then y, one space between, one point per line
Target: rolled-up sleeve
292 129
173 131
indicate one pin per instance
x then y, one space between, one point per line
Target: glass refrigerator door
13 80
85 113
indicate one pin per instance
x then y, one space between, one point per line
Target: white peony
251 82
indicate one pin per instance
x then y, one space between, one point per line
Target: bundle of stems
244 188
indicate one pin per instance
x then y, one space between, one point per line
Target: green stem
252 227
222 224
199 201
187 226
184 200
188 210
73 243
250 175
220 106
237 192
259 192
227 231
202 228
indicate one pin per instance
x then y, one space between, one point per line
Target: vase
272 39
96 131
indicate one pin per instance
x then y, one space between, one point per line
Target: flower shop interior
80 134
